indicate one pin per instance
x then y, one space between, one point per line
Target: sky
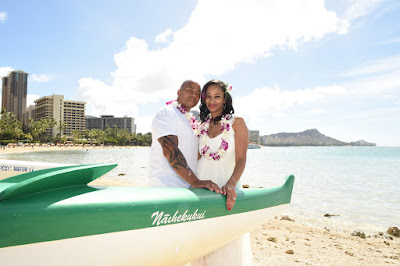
294 65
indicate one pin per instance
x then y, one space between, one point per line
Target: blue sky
294 65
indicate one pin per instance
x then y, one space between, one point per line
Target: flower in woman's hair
228 88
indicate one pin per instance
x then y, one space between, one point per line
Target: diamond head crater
310 137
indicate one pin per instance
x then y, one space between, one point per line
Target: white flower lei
220 153
188 115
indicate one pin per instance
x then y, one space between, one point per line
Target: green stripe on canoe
82 211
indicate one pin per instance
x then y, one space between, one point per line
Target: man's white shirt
170 121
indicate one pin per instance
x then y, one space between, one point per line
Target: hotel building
14 91
119 122
70 113
28 114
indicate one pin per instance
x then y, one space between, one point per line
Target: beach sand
283 241
18 149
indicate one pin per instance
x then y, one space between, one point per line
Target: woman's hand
230 192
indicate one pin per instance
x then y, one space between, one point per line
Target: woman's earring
224 106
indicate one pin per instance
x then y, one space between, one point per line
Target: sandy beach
26 148
284 241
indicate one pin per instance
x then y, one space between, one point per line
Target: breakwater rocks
330 215
394 231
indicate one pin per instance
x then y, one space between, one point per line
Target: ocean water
359 184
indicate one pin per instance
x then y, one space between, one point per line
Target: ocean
359 185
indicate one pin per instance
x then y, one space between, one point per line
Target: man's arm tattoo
171 151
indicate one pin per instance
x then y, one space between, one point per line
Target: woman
223 146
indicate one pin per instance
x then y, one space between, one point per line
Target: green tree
61 126
63 139
38 127
10 127
99 135
77 136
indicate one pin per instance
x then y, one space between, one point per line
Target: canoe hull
171 244
52 216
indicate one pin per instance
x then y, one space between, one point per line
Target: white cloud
164 37
383 65
39 78
360 8
143 123
3 16
30 99
218 36
269 101
5 70
380 76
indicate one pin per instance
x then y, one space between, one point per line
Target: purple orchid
224 145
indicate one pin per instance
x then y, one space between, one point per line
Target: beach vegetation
38 128
36 131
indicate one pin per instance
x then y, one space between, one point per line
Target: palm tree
10 126
37 127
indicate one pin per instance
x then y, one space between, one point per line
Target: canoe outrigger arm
51 178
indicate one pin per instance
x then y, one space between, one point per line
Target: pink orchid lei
188 115
220 153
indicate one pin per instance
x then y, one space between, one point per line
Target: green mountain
310 137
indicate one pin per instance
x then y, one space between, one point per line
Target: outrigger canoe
52 217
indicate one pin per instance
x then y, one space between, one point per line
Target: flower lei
188 115
225 127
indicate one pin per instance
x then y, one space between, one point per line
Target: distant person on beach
174 148
223 147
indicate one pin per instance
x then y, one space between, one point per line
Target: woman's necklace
215 124
205 150
188 115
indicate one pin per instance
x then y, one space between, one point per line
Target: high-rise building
14 92
111 121
69 113
28 114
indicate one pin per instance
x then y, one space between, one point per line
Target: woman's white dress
237 252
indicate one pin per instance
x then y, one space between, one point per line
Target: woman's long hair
228 108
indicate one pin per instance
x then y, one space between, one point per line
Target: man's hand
207 184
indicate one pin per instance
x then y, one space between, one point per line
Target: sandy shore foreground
283 241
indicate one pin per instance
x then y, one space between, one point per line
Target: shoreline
285 240
20 149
